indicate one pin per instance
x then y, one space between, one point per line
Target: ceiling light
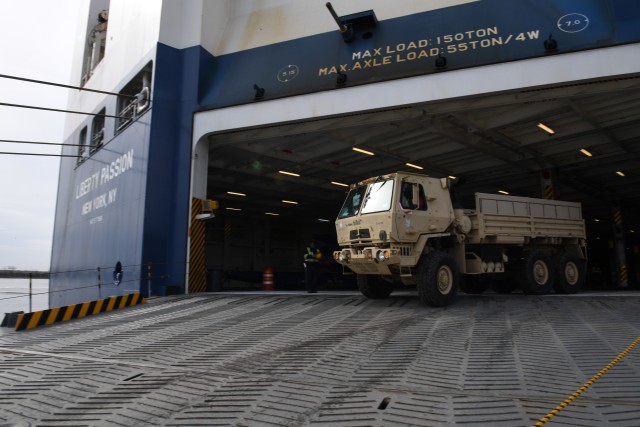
411 165
503 192
452 177
271 213
360 150
233 209
323 220
291 202
339 183
585 152
205 215
233 193
289 173
620 173
597 220
546 128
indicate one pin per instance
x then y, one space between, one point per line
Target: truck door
411 210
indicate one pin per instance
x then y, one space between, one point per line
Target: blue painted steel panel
99 219
140 216
167 204
468 35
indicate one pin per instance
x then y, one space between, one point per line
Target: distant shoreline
23 274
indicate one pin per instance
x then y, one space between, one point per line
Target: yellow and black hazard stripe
197 270
75 311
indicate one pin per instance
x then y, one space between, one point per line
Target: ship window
97 131
96 38
82 145
134 98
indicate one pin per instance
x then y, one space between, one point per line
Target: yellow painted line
586 385
68 312
110 303
61 314
53 313
83 309
33 322
98 306
124 301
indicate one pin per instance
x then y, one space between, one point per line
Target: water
14 295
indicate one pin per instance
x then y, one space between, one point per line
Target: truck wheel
437 279
373 286
537 276
570 273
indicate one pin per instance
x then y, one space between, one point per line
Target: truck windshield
370 198
379 197
351 206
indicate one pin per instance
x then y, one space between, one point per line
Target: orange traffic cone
267 279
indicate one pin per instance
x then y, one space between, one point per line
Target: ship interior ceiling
490 143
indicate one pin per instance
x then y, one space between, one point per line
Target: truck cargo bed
511 219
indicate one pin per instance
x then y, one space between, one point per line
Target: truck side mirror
415 196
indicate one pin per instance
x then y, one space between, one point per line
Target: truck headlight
382 255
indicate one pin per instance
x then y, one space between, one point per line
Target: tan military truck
402 228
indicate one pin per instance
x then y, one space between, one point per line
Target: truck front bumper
368 260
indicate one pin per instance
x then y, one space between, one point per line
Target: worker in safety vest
312 257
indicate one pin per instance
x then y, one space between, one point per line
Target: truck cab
383 217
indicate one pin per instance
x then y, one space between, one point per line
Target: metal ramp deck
329 360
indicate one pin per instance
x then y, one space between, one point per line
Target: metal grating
334 359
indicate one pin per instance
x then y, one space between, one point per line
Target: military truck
404 229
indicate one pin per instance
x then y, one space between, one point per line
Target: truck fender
421 243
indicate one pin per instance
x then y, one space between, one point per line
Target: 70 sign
573 23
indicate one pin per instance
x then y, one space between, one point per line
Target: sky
36 42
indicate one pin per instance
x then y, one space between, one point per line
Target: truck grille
360 234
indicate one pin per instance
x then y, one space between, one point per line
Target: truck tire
437 279
373 287
570 273
537 276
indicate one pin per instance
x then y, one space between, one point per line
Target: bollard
30 293
149 280
267 279
99 284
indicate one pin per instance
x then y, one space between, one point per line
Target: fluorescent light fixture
620 173
411 165
289 173
597 220
360 150
233 209
233 193
323 220
546 128
503 192
291 202
586 152
339 183
271 213
452 177
203 215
